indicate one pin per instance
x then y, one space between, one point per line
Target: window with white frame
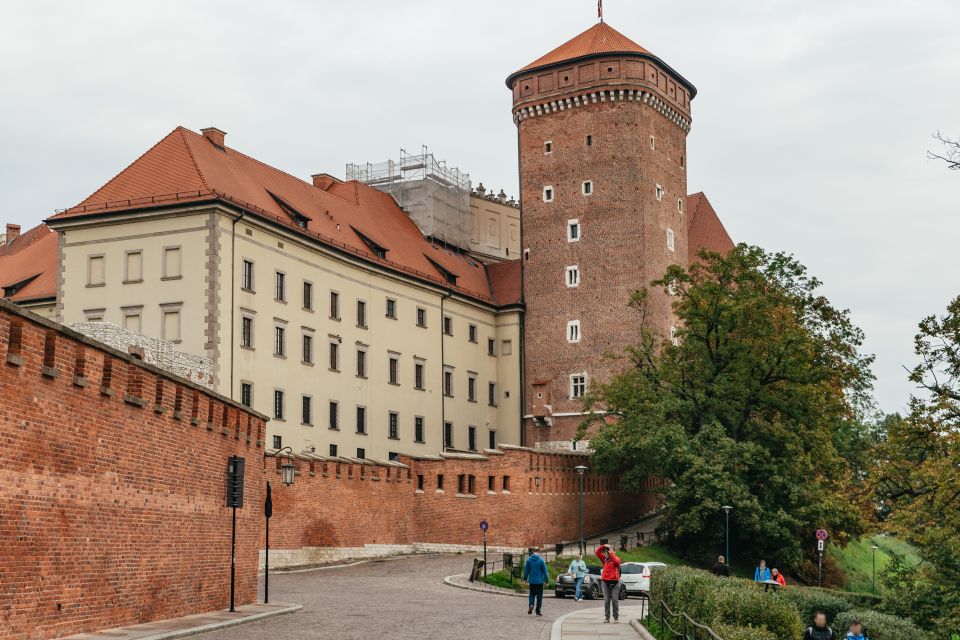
280 287
246 276
573 331
307 347
279 341
680 205
246 331
659 192
653 142
670 239
548 147
170 326
133 266
172 263
96 271
278 404
573 230
573 276
548 194
587 187
578 385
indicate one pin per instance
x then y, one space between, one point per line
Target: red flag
600 9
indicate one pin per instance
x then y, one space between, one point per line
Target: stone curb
641 630
496 591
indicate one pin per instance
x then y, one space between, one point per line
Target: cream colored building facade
494 226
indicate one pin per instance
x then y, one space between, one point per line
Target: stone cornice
601 96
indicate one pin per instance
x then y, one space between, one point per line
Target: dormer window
374 248
296 217
446 274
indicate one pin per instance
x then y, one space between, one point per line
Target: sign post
821 543
235 465
483 527
267 514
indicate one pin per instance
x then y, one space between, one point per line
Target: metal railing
677 626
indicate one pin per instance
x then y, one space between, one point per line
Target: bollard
623 542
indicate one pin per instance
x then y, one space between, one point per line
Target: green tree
747 408
917 478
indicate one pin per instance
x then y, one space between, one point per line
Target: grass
856 559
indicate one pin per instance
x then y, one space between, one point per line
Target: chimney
323 181
215 136
13 232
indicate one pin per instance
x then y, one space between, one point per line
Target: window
334 417
277 442
393 425
279 341
471 387
418 372
391 308
505 483
670 241
421 317
246 276
132 319
334 305
461 483
418 429
491 347
246 394
361 419
548 194
589 141
673 336
170 329
419 482
573 230
573 331
578 385
333 451
653 142
659 193
507 347
472 333
277 404
172 264
439 482
280 288
306 410
448 382
472 439
680 205
361 362
681 161
573 276
246 332
491 483
548 147
334 355
448 325
492 394
361 453
307 348
133 266
96 271
492 439
308 295
94 315
471 485
361 314
394 370
587 187
448 435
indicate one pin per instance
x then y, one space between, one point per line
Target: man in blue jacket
536 574
761 573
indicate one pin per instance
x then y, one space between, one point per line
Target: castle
365 332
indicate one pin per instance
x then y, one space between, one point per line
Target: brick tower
602 126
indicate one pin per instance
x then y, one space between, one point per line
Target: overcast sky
809 130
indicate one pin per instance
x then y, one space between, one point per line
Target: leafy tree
918 477
752 407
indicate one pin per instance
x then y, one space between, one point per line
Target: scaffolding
434 195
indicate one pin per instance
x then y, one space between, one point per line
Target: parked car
566 585
636 576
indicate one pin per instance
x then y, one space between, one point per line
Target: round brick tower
602 126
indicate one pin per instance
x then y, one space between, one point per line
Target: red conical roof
599 39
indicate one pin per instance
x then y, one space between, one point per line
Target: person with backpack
721 569
579 570
535 573
610 582
819 630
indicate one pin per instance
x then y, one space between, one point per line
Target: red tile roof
185 167
704 228
28 265
505 281
601 38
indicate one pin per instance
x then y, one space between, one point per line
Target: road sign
819 545
822 534
484 525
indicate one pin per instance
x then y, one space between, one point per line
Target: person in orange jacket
777 577
610 582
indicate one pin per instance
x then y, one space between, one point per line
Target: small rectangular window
246 276
393 425
448 383
277 442
246 394
653 142
659 193
492 439
461 483
491 483
548 194
361 453
573 276
133 267
471 387
171 325
472 333
277 404
394 370
279 341
391 308
670 240
361 363
306 410
439 482
132 321
680 205
548 147
361 419
448 325
307 348
491 347
681 161
421 317
418 374
334 355
506 483
419 482
418 429
573 331
96 271
587 188
280 287
471 485
448 435
172 265
361 314
334 415
578 385
507 347
246 332
589 140
492 394
334 305
308 295
573 230
333 451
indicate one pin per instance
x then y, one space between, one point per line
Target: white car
636 576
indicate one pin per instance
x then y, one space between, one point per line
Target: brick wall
338 509
112 479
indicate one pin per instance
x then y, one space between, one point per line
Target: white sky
809 131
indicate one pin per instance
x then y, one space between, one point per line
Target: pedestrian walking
819 630
537 576
761 573
579 570
855 631
610 582
721 568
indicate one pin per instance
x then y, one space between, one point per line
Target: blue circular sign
483 525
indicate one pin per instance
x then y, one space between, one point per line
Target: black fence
670 625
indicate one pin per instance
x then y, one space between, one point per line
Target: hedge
879 626
857 600
808 601
728 632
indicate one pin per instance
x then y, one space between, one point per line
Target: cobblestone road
396 600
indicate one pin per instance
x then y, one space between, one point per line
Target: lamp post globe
581 469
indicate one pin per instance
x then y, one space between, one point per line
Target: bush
807 601
879 626
755 608
857 600
728 632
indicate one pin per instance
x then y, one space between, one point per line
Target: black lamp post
287 474
874 549
581 470
727 509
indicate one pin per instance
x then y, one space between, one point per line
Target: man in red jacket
610 581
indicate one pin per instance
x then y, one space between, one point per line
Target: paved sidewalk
588 624
190 625
462 581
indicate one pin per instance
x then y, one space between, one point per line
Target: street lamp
727 509
581 470
874 549
287 474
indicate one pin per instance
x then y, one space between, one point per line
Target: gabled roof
704 228
185 167
28 266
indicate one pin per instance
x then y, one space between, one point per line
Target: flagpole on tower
600 10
